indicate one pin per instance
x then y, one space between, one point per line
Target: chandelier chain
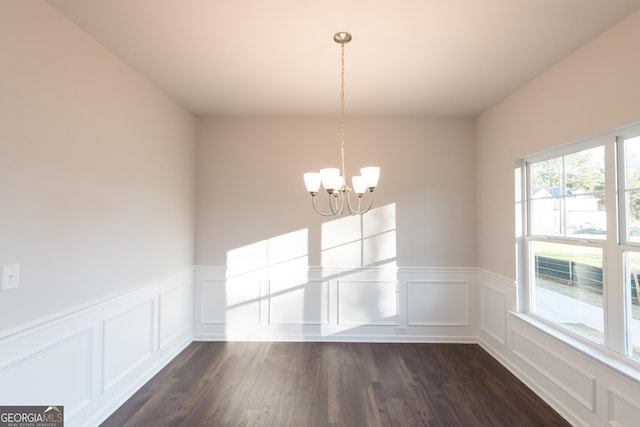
344 172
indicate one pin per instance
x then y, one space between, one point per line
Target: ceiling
278 57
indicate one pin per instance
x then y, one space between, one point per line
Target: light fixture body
331 178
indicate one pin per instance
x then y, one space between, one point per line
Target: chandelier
333 179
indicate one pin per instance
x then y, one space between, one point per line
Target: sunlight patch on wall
241 297
340 242
288 250
270 281
379 236
356 241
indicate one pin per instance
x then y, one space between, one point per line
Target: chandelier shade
312 181
359 184
371 176
333 179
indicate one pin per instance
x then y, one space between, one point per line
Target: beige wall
594 90
96 169
250 191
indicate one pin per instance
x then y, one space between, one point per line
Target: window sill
620 364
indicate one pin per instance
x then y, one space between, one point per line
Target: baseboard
458 339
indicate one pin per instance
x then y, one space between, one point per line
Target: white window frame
615 306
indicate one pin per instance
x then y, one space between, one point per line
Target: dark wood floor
334 384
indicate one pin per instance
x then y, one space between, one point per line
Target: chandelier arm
313 201
370 203
351 210
357 210
339 196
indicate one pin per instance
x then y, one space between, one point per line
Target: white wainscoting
562 372
92 359
587 387
335 304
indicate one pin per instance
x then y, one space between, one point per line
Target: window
581 246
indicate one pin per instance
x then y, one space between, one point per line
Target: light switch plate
10 277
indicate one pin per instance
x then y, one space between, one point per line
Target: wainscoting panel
493 313
296 303
564 373
623 410
42 379
131 330
230 301
367 303
92 359
176 311
440 303
380 303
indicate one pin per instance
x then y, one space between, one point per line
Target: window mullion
613 263
563 198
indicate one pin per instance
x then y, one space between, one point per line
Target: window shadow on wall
269 285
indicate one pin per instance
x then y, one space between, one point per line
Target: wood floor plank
334 384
